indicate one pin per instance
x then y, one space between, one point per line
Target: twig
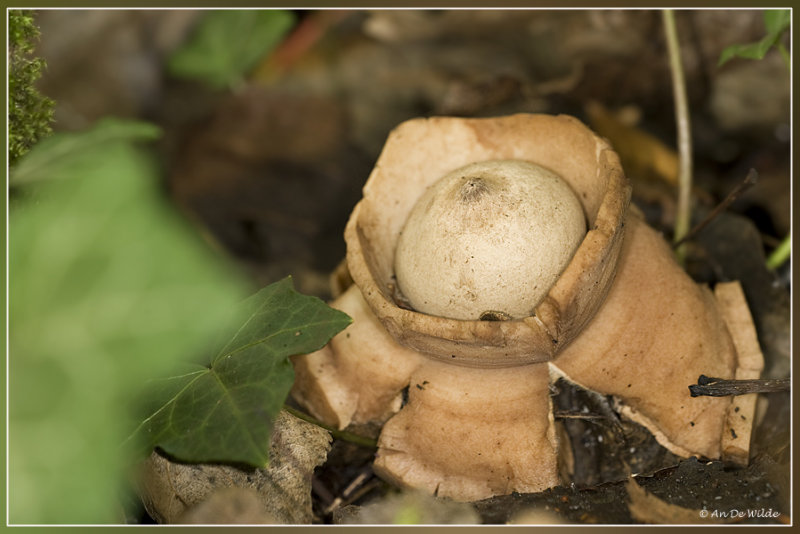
683 216
363 490
770 240
720 387
363 441
357 482
563 414
749 181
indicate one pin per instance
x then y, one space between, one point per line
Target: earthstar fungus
622 319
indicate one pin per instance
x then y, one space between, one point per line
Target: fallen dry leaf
171 490
230 506
643 155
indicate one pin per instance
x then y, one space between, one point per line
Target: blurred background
272 163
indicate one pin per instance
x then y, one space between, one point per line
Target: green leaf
776 21
225 412
68 154
227 44
747 51
108 288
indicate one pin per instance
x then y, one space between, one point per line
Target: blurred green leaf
227 44
776 21
71 154
747 51
225 412
108 288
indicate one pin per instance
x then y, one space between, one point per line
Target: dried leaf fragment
230 506
741 413
170 490
643 155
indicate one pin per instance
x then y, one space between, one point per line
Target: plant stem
780 254
784 250
684 213
785 55
335 432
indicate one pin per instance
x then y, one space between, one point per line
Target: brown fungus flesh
622 319
417 154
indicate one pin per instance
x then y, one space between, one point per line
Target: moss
29 112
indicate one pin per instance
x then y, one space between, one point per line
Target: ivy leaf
227 44
776 21
225 412
108 288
